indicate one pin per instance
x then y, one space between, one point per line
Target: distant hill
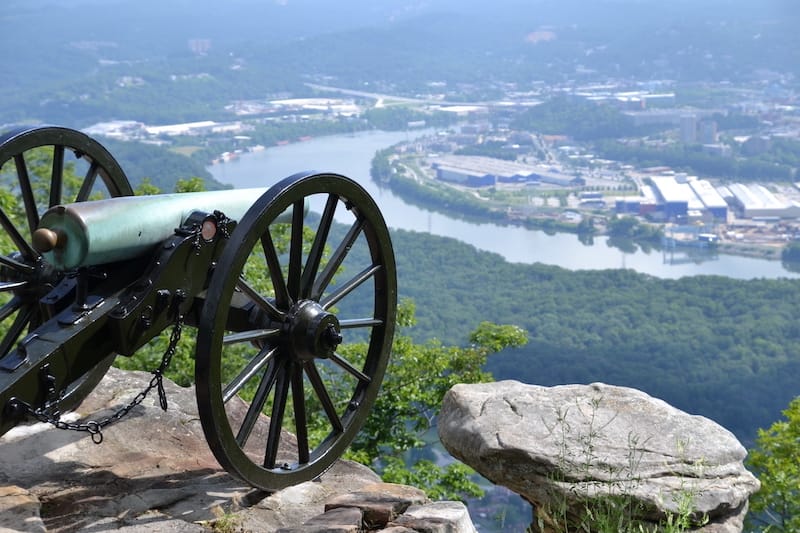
136 59
161 166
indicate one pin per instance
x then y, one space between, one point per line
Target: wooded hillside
710 345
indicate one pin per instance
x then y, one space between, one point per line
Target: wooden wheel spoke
349 287
324 397
250 336
259 400
260 301
349 368
324 279
6 286
57 176
351 323
31 211
88 182
253 367
8 309
19 241
300 417
318 247
295 250
16 265
15 330
276 418
282 298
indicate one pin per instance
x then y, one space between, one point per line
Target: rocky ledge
154 472
574 451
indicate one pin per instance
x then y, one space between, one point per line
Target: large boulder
155 472
598 448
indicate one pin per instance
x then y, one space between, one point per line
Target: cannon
291 291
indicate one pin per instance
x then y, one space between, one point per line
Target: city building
688 129
756 201
187 128
713 202
672 116
674 199
479 171
118 129
708 132
682 198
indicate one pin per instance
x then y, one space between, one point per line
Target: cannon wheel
301 312
45 166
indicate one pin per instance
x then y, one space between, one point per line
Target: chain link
94 428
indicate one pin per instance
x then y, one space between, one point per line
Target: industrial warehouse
478 171
681 198
673 197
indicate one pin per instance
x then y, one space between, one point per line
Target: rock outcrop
570 448
154 472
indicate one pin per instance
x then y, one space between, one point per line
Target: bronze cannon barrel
115 229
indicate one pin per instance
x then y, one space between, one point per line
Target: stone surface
379 503
20 510
437 517
389 508
562 445
155 472
340 520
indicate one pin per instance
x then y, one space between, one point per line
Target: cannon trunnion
291 291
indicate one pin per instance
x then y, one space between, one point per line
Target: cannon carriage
291 291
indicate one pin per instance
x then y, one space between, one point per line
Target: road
401 99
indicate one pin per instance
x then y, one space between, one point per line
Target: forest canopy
709 345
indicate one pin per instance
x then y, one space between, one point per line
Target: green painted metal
116 229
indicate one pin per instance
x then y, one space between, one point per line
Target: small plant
223 521
604 506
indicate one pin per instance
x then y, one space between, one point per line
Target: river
351 155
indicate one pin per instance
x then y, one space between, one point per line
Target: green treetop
776 507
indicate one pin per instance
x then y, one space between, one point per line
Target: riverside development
756 219
353 154
730 185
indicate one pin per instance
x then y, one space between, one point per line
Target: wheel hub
313 332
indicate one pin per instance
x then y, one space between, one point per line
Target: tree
146 188
791 252
776 507
405 411
193 184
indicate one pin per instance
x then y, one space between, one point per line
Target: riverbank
454 203
352 154
772 253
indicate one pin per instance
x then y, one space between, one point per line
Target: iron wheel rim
300 303
26 268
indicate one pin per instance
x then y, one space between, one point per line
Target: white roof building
484 165
758 201
673 192
708 194
181 129
120 129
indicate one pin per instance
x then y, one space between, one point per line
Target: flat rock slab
575 443
153 471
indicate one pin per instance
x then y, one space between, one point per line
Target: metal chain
223 223
94 428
